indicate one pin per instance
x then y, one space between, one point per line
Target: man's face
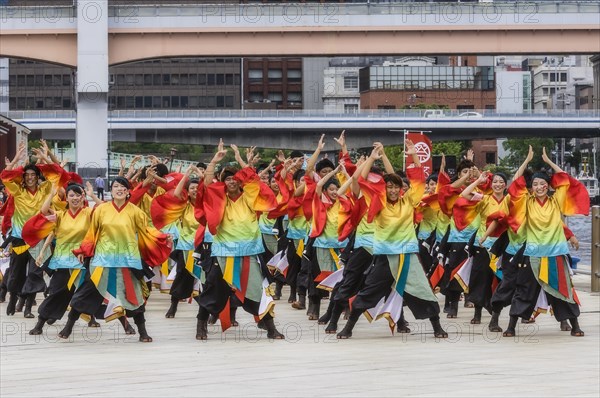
31 179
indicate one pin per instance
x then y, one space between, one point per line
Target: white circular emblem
423 151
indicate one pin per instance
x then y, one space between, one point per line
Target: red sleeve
15 175
518 203
568 233
373 188
214 205
136 194
9 210
464 212
309 193
167 208
346 217
447 195
347 162
172 181
319 216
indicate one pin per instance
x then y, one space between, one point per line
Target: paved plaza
540 361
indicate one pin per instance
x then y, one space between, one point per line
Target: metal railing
472 114
116 157
595 249
294 10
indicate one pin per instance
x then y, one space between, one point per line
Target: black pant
378 284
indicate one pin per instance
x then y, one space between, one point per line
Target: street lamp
173 152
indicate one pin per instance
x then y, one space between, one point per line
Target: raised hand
342 139
376 152
409 148
470 155
321 143
545 157
529 157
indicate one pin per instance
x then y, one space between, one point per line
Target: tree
518 148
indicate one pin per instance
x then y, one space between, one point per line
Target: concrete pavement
540 361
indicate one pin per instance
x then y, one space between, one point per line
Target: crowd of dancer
373 239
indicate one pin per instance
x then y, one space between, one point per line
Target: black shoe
20 304
300 304
68 329
232 312
402 326
493 326
477 316
346 332
212 319
314 309
272 332
292 296
575 329
140 322
512 324
324 319
39 327
202 329
129 330
28 304
438 331
12 302
172 309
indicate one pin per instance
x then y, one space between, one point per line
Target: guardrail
115 161
307 113
293 10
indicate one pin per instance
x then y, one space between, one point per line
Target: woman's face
431 185
119 191
539 187
332 191
274 186
193 191
74 200
498 184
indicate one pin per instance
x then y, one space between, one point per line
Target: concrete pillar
92 87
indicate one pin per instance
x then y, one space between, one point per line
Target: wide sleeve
55 174
12 180
319 210
8 209
517 209
282 199
214 203
373 189
347 162
167 208
309 193
257 194
172 180
88 244
154 246
571 195
137 194
416 177
345 217
447 196
38 228
465 211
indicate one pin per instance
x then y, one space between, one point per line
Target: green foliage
518 148
395 154
448 148
185 152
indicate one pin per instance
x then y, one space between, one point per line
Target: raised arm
322 181
209 174
89 191
179 189
550 163
238 157
342 142
411 151
523 167
46 206
467 193
310 165
375 155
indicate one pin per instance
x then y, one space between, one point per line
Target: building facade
272 83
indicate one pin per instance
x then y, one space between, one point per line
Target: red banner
423 148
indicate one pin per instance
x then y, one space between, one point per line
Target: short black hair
393 178
33 167
324 163
121 180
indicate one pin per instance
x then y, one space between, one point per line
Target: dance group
374 239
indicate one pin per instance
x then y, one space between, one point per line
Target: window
275 75
21 80
139 102
29 80
139 80
183 102
147 102
175 102
166 80
174 80
229 79
193 80
229 101
147 80
220 79
66 80
220 101
156 80
211 102
255 75
490 157
350 82
210 79
156 102
202 79
130 102
294 76
350 108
